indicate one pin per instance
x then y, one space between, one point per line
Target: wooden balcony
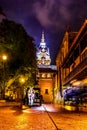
80 72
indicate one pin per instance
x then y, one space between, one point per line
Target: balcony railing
79 68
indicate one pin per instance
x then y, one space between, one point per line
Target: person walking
31 96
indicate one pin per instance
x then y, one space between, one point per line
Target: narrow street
45 117
27 119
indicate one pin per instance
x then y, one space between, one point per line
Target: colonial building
71 59
46 72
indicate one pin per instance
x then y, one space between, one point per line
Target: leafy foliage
20 48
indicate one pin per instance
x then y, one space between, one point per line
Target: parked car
75 95
38 99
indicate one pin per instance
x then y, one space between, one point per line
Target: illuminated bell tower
43 55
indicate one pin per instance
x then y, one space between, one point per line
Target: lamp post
4 59
22 81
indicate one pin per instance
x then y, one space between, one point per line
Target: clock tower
43 55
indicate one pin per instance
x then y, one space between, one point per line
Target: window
46 91
48 75
43 75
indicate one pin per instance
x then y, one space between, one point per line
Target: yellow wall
46 84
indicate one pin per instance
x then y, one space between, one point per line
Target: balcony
80 72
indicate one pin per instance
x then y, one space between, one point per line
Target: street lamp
22 80
4 59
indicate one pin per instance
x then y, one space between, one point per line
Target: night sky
52 16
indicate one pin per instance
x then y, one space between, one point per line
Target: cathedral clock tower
43 55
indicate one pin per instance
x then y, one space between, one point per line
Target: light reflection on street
36 118
70 108
33 109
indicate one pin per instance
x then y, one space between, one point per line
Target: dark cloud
50 15
57 13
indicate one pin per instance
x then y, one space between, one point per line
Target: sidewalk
49 107
4 103
58 107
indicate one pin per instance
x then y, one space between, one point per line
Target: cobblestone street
28 119
37 118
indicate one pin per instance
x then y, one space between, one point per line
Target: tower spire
43 55
42 39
